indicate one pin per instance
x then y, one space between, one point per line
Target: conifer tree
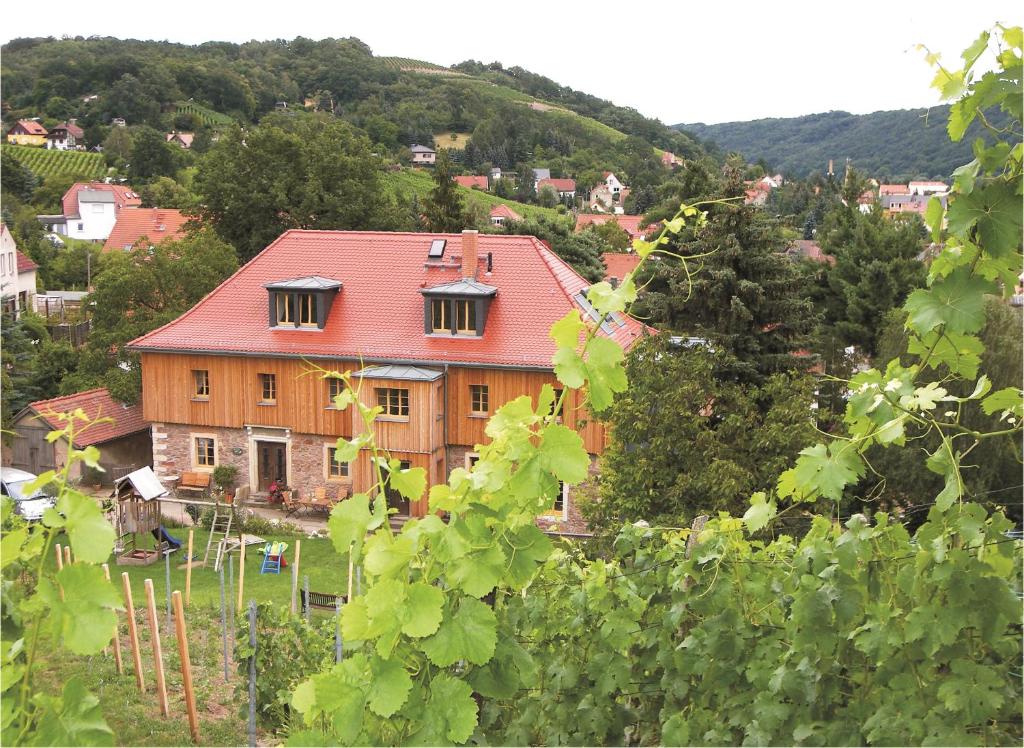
444 208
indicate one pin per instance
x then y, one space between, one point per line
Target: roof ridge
68 397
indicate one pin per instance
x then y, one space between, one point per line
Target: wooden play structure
137 508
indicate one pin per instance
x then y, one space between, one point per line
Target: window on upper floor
307 309
478 399
268 389
394 401
285 309
334 388
440 315
200 384
465 317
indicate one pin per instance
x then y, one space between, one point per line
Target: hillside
45 163
894 145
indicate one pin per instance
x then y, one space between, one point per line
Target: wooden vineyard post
295 575
167 582
188 570
351 571
158 657
60 556
117 632
186 668
133 632
241 573
67 555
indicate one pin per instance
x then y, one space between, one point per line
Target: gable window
205 451
478 399
335 470
200 384
394 401
465 317
307 309
268 389
334 388
440 315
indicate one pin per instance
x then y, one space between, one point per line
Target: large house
456 327
608 194
90 210
65 137
156 224
423 155
27 132
17 276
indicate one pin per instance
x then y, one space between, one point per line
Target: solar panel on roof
437 248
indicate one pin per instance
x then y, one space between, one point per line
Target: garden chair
291 501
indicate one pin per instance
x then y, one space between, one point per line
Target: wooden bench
321 600
194 483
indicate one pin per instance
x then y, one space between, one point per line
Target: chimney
469 239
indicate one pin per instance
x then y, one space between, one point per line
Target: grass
135 717
456 140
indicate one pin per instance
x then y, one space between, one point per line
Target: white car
29 505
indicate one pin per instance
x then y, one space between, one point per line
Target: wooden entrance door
395 499
271 464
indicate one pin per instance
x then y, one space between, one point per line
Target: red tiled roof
127 419
25 263
378 313
503 211
185 138
619 264
928 184
31 127
893 189
560 185
157 224
73 130
471 182
124 197
629 224
809 250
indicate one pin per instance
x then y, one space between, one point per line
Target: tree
875 268
303 172
18 179
526 188
444 206
151 155
19 386
164 192
139 290
688 442
582 251
129 99
117 146
612 234
547 197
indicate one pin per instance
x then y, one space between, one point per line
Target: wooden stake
67 555
188 570
60 556
241 572
158 658
133 632
186 668
350 570
295 574
117 632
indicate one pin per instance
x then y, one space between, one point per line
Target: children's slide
162 535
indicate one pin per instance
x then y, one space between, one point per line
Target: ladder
220 529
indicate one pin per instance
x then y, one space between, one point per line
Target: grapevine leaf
391 686
995 211
73 718
452 700
386 556
423 610
468 635
760 512
85 617
1007 400
411 483
385 604
956 301
933 217
606 373
563 454
348 523
526 548
823 471
566 332
569 368
340 695
10 546
92 537
961 354
355 622
942 463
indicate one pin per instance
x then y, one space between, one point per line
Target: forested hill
395 100
894 145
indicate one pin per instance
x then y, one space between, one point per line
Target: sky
677 61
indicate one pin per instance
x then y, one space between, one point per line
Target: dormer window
302 303
465 317
457 309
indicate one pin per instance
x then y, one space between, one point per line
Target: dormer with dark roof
302 303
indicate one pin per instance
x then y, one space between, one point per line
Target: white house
612 183
423 155
90 210
66 137
17 276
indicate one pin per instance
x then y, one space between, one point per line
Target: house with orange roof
566 188
469 182
181 139
90 210
632 225
502 214
893 189
618 265
153 224
457 327
17 276
121 435
27 132
65 137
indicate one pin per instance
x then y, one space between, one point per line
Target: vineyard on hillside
209 117
46 163
409 65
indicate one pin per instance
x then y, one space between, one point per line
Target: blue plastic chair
273 554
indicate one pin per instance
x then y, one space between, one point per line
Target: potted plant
224 476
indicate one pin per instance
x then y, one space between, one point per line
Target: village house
27 132
618 265
17 276
609 194
632 225
502 214
670 160
66 137
181 139
422 155
155 224
565 188
456 327
90 210
927 188
470 182
124 441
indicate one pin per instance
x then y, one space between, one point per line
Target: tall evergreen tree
444 207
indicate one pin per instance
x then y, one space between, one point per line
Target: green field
45 163
421 182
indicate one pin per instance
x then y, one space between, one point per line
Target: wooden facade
440 413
